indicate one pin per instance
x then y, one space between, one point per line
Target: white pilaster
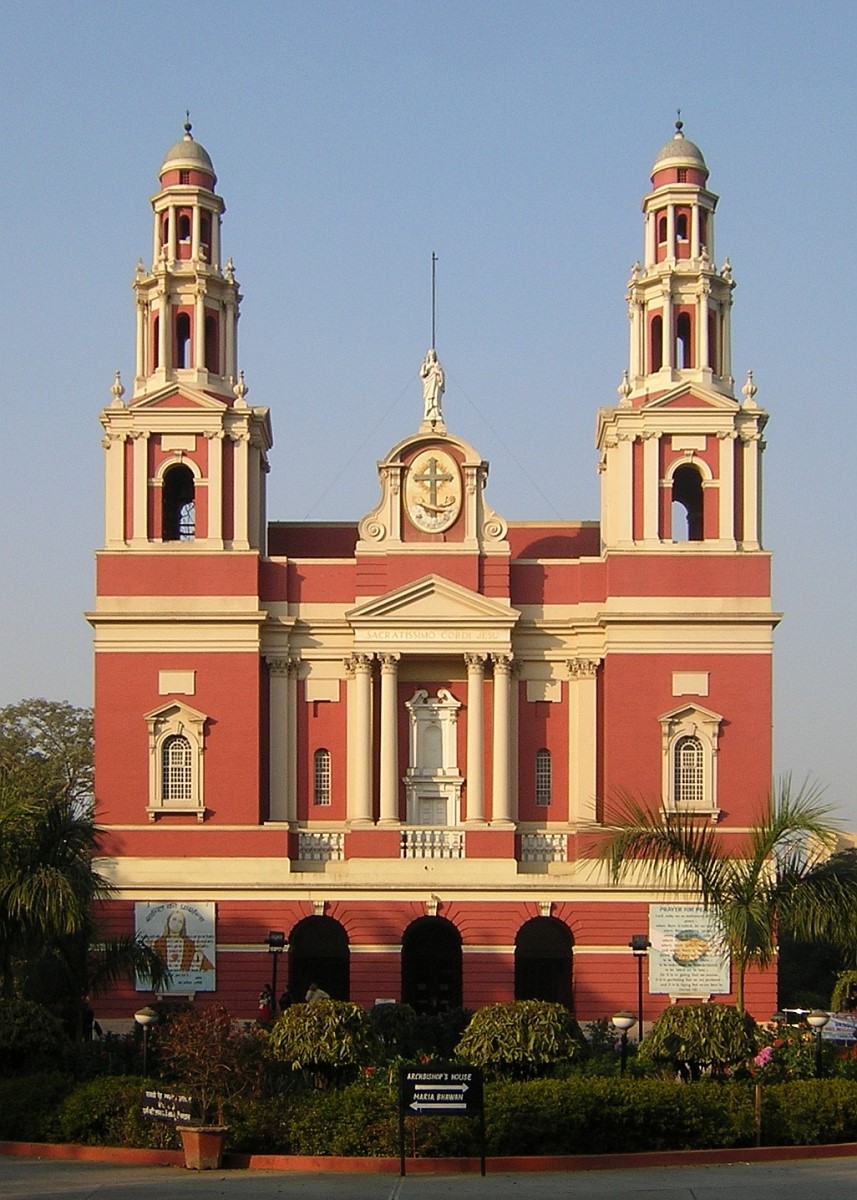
240 482
727 485
475 736
502 800
140 502
389 765
582 739
280 751
651 484
751 443
360 750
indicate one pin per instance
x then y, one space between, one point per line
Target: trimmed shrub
691 1038
522 1039
328 1039
108 1112
396 1028
808 1112
28 1106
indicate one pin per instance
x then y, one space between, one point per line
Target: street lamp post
276 943
622 1021
145 1017
639 944
816 1020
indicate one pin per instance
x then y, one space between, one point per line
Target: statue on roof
434 382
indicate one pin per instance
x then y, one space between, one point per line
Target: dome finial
679 125
187 125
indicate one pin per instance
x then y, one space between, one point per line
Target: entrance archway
431 965
543 961
318 953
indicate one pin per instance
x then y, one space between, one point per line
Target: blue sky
353 139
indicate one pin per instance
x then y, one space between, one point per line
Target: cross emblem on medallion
433 475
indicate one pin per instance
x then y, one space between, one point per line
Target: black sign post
454 1091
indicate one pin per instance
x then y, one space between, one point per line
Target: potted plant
212 1061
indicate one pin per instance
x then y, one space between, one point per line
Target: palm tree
47 889
783 875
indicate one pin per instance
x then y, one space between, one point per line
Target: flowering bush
786 1052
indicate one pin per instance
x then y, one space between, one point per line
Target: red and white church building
391 738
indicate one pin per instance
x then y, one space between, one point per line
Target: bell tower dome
187 304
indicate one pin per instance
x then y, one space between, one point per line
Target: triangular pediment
691 396
177 395
437 604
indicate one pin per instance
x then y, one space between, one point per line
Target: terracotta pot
203 1146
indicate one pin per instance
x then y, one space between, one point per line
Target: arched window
662 229
683 344
178 511
182 340
431 965
184 228
543 961
176 738
165 228
657 337
319 953
156 343
681 227
690 737
321 777
687 505
544 778
176 769
688 775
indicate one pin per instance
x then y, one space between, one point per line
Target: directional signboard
455 1091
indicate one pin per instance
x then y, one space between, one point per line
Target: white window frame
175 720
691 720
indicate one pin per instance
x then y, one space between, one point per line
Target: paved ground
809 1180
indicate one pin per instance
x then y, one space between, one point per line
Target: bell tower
680 456
187 304
186 458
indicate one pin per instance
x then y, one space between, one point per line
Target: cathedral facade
377 754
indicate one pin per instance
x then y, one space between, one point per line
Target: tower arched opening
178 509
182 357
683 342
687 505
656 336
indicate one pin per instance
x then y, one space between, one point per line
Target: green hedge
555 1116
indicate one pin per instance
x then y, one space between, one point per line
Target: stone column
114 489
502 800
623 490
651 484
582 739
360 749
475 736
389 766
241 483
727 486
281 748
694 231
751 443
199 331
140 501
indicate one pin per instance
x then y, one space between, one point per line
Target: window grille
543 778
688 774
321 789
177 775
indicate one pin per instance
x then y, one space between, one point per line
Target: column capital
502 663
583 668
282 664
389 663
358 663
475 663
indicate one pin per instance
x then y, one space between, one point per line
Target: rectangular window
321 790
543 778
